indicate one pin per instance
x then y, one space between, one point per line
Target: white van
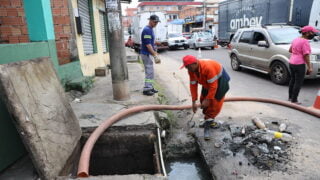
161 30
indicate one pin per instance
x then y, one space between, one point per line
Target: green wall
24 51
39 20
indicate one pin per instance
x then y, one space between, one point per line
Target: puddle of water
187 169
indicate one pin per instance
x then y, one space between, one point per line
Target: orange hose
83 167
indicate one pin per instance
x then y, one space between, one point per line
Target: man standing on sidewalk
147 49
215 84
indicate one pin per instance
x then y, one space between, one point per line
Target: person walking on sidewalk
147 49
215 84
300 57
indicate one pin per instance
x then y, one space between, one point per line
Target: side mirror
263 44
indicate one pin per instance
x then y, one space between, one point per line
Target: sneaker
297 103
148 93
154 91
210 123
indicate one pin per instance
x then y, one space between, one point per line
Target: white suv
266 50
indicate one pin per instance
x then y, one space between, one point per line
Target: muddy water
187 169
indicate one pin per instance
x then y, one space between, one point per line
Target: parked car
201 39
186 35
266 49
176 40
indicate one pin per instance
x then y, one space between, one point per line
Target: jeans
297 76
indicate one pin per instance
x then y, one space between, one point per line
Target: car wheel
186 47
235 64
212 47
279 73
195 47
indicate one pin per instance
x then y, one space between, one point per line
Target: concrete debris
260 148
277 148
282 127
77 100
243 131
218 144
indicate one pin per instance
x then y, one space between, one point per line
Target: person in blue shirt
148 50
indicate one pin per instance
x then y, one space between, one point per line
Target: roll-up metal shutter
83 6
103 31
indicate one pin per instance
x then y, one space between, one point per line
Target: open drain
123 151
191 168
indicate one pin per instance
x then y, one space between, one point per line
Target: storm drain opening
190 167
124 150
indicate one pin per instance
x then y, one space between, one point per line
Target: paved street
250 83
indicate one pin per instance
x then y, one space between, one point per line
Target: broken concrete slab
119 177
93 114
42 113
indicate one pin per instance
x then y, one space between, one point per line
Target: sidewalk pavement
98 105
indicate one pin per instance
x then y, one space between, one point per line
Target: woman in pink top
300 57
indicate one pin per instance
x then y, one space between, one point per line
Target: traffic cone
199 53
316 104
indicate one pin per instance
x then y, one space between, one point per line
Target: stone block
100 71
43 116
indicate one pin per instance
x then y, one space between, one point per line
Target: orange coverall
209 72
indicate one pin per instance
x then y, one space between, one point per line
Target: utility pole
204 15
119 69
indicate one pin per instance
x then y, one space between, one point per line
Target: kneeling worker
215 84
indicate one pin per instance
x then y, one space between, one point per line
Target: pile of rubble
266 149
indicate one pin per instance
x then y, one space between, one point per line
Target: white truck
160 31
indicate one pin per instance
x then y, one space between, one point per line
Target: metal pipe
161 157
83 167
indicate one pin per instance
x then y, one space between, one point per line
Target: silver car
266 50
201 39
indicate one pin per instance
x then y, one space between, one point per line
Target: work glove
157 59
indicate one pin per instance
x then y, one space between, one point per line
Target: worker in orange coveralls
215 84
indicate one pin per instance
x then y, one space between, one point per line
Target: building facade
73 33
171 8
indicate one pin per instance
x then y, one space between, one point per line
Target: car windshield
283 35
204 34
173 35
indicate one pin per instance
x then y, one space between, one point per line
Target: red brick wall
62 28
13 25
